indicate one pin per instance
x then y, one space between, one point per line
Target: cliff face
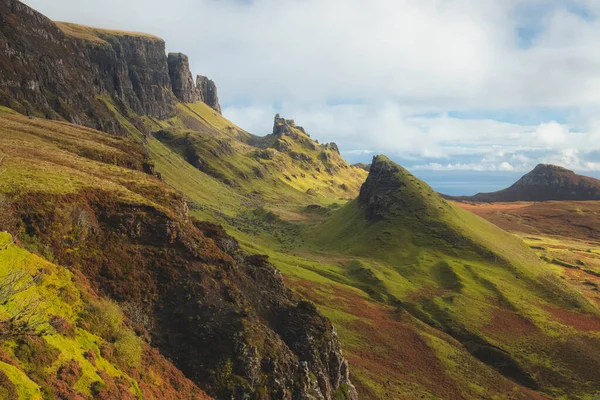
208 92
40 71
181 78
57 70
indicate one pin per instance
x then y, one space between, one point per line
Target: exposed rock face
41 71
544 182
282 126
332 146
134 70
181 78
58 70
378 193
224 317
208 92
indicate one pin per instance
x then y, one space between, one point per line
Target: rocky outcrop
332 146
208 92
58 71
133 69
224 317
41 72
544 182
45 72
378 194
181 78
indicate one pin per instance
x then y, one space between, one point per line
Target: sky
469 88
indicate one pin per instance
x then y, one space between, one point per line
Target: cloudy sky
438 85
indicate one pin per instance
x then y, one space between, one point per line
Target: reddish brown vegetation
581 322
395 349
507 324
571 219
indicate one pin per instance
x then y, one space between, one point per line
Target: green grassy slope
464 276
447 269
93 202
299 170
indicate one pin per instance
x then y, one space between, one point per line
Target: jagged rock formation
544 182
181 78
58 70
391 190
129 67
40 71
208 92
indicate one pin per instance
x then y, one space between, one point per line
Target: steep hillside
223 316
429 301
545 182
60 340
123 83
461 275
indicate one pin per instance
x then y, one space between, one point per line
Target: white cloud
386 76
552 133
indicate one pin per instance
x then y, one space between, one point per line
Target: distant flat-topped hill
544 182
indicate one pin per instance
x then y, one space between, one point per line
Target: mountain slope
465 277
223 316
429 301
545 182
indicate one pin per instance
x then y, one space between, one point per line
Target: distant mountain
544 182
364 166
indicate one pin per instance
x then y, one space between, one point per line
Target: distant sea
467 183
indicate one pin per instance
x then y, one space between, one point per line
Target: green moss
26 388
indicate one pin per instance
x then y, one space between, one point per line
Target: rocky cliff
181 78
208 92
544 182
131 68
59 71
40 71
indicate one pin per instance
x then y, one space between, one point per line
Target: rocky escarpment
224 317
58 71
181 78
40 71
132 68
184 88
544 182
208 92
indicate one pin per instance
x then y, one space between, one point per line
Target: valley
188 259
